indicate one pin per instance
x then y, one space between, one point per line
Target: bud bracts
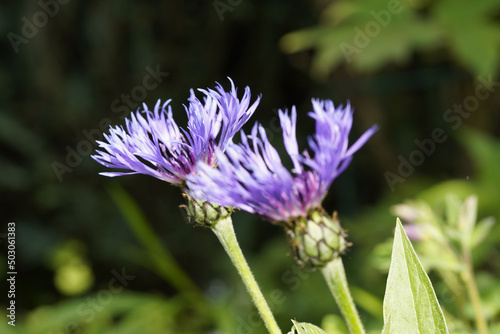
317 239
203 213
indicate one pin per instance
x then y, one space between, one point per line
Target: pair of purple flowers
250 176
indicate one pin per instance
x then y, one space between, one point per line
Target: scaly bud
317 239
203 213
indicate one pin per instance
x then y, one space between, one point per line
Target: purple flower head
250 176
153 144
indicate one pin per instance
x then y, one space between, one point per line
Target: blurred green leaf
119 313
495 328
5 328
410 303
364 34
490 294
481 231
334 324
467 220
370 34
472 34
439 192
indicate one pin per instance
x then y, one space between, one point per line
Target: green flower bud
203 213
317 239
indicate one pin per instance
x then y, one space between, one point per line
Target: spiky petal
153 144
250 176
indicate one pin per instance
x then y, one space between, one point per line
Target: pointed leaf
481 231
410 303
467 220
305 328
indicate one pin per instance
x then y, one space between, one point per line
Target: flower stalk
334 275
475 298
224 231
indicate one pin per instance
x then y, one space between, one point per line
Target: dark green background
64 79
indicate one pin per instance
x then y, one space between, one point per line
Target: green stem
224 231
470 283
337 282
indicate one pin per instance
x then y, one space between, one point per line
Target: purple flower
250 176
153 144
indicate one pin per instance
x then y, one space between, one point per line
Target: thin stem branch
475 298
334 274
224 231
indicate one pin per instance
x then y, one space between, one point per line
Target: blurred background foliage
83 67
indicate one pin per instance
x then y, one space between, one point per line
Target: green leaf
305 328
367 34
481 232
410 303
472 35
467 220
